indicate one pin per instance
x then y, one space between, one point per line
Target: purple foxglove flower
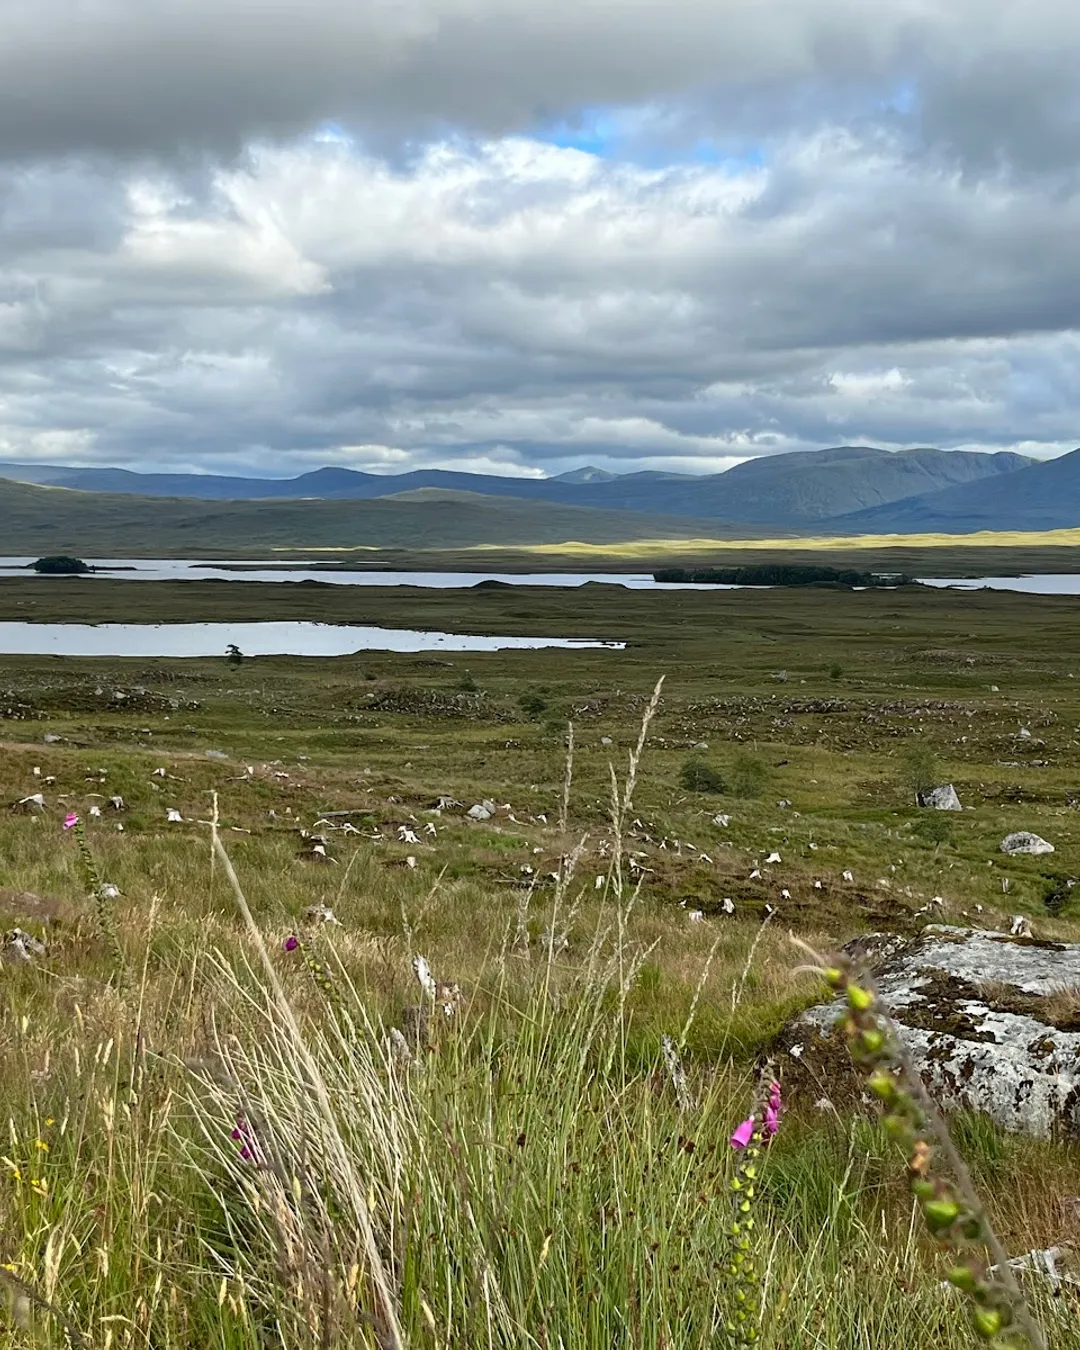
742 1136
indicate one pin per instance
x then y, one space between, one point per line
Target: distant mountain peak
588 474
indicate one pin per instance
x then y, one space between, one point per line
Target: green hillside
37 520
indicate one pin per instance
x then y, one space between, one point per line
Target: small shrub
921 771
835 671
749 775
698 776
935 828
532 705
467 684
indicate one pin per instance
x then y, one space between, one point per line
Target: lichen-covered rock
941 798
1023 841
991 1020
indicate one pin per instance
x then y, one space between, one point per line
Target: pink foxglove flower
70 820
291 943
742 1136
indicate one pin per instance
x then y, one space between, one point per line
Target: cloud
496 233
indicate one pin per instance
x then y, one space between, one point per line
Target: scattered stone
20 947
320 914
51 738
173 816
1023 841
479 812
783 803
1020 926
721 821
606 740
773 857
978 1014
28 805
216 754
695 915
702 745
941 798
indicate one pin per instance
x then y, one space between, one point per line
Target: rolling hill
38 520
1043 496
792 491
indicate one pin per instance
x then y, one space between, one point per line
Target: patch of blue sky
903 98
646 138
332 133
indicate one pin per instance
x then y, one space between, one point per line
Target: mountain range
37 519
791 491
846 490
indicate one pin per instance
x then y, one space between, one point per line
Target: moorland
233 1122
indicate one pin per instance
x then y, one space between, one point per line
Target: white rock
941 798
479 812
1023 841
968 1005
773 858
721 821
606 740
1020 926
727 905
173 816
847 875
695 916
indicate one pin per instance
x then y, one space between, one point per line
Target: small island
60 564
778 574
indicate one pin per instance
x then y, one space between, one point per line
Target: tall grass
235 1154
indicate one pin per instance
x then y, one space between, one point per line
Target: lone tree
60 564
234 655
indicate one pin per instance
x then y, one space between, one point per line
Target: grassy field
100 524
213 1141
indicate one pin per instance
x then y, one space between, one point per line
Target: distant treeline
778 575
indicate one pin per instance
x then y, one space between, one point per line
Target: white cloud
234 238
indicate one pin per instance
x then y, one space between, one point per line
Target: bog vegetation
314 1055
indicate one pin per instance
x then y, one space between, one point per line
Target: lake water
1045 583
194 569
286 638
169 569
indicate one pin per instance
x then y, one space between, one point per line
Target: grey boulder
1023 841
941 798
983 1017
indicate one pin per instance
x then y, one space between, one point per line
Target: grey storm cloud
240 236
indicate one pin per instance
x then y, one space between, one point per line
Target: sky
519 238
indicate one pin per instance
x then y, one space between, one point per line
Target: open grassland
947 556
186 1167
